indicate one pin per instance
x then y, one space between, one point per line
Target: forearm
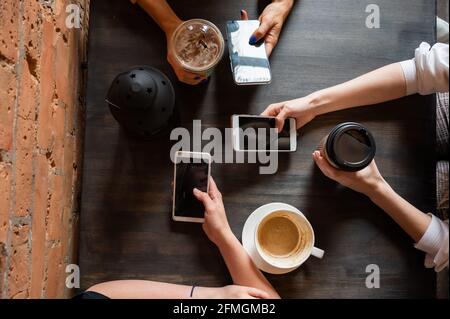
384 84
241 267
145 289
410 219
162 13
288 4
141 289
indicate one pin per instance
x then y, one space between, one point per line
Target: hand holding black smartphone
191 170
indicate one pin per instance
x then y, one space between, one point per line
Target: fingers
202 197
258 293
279 111
281 117
213 190
269 48
184 76
323 164
273 109
244 15
259 33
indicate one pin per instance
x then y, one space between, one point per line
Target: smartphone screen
249 63
189 176
250 142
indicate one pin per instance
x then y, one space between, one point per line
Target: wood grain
126 229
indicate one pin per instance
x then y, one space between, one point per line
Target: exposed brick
41 127
54 269
5 186
47 86
7 102
28 93
32 30
3 256
58 130
9 25
19 273
54 216
25 142
41 205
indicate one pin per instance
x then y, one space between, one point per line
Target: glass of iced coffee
197 46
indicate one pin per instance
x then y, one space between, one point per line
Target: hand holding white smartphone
191 170
249 63
244 141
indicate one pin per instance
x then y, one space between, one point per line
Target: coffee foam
296 246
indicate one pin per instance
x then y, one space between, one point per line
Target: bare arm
410 219
168 21
384 84
241 267
369 182
162 13
145 289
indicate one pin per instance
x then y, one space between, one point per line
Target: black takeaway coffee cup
349 146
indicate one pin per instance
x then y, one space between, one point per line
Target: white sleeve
435 244
428 72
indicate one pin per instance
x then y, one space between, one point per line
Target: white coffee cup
271 234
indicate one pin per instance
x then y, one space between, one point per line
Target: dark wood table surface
126 230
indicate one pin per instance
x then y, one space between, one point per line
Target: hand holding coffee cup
194 49
346 155
365 181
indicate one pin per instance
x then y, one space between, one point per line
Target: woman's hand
367 181
301 109
182 75
216 224
230 292
272 20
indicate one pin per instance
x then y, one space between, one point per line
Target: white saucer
248 235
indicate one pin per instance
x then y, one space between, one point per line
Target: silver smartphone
286 139
249 63
191 170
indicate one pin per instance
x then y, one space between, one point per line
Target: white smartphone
249 63
191 170
287 138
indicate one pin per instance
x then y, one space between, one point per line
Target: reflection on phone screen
188 177
250 141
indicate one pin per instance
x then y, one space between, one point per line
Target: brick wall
41 128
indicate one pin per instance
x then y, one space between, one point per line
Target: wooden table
126 229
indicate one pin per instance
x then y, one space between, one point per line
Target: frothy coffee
278 236
284 238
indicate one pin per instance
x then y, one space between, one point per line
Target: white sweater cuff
435 244
410 73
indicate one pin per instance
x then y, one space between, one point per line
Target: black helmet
142 100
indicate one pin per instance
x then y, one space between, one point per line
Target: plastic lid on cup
351 146
198 45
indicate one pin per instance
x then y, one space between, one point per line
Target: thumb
202 197
263 28
244 15
281 117
323 165
257 293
